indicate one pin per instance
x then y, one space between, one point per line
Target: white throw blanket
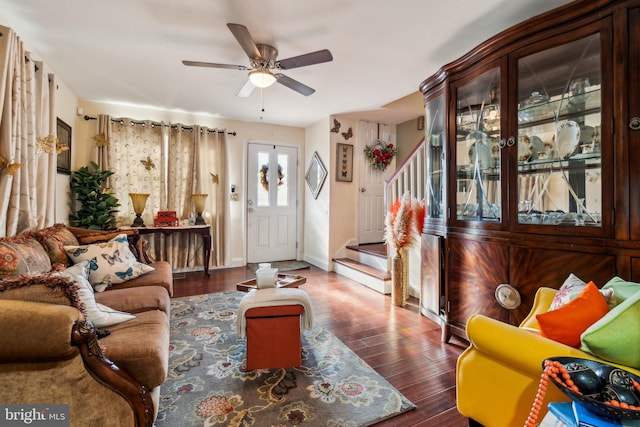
271 297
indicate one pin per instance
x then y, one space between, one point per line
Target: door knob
634 124
363 190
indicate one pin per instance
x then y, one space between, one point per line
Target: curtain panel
169 162
28 143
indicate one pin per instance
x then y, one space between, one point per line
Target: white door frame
298 195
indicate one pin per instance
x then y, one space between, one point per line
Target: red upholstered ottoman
271 320
273 337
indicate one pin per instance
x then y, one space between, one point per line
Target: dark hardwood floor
399 343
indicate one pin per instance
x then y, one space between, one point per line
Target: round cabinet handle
363 190
507 296
511 141
502 143
634 124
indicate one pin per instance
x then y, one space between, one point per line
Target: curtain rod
134 122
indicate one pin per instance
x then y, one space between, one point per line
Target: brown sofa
50 353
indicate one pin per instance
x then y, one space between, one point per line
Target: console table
203 230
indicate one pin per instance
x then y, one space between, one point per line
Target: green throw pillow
616 336
621 288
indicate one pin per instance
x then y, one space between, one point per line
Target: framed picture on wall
63 147
344 162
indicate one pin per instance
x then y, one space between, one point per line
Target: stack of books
571 414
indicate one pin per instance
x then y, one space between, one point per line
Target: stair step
371 277
371 271
376 249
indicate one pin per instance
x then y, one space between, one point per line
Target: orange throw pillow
565 324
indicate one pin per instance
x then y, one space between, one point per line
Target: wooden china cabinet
533 167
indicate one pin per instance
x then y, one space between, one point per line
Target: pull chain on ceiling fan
263 59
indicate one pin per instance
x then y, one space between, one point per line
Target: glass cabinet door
435 143
477 149
559 146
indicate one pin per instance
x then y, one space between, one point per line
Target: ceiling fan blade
317 57
243 36
246 89
213 65
295 85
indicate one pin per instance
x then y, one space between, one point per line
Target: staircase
368 263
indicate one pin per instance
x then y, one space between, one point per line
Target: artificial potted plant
98 204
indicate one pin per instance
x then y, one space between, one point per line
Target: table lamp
139 201
198 203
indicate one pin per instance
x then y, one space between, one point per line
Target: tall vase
397 279
404 252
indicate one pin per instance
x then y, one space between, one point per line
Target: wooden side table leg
206 242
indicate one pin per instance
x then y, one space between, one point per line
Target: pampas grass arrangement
403 223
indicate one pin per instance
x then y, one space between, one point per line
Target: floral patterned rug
207 386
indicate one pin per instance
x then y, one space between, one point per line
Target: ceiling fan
263 59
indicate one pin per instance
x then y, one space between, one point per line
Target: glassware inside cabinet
435 143
559 145
478 178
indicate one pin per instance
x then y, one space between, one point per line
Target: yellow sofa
498 374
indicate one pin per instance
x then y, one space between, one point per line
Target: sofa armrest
45 339
36 331
541 303
106 372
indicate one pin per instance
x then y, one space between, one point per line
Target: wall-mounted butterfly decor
336 126
214 178
348 134
101 140
148 163
49 143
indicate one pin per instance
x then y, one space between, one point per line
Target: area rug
283 265
207 385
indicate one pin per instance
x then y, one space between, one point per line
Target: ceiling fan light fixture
262 78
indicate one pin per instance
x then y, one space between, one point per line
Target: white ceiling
130 51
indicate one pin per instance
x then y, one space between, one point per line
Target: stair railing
410 176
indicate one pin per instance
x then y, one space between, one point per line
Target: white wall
316 211
65 107
344 195
408 136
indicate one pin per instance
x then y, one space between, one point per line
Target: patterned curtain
211 179
168 162
28 149
47 154
135 158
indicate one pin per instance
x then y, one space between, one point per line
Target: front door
372 182
272 189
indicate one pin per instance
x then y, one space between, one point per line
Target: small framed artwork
63 147
344 162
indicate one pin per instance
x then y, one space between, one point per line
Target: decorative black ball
616 376
587 381
619 393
